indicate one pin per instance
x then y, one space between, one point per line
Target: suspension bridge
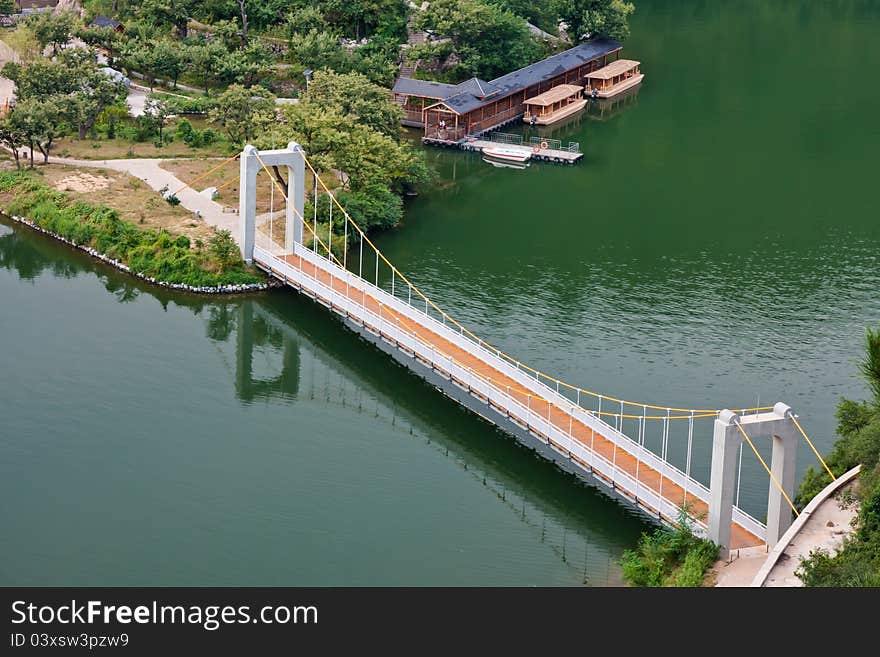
324 254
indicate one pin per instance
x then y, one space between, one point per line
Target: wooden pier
538 153
541 154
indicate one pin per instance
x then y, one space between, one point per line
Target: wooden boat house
450 112
617 77
554 105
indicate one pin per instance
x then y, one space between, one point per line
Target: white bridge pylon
607 448
252 160
730 432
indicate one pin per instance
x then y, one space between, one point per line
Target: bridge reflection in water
312 373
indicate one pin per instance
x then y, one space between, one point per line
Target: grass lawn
114 149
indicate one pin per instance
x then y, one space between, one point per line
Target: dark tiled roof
426 88
469 95
477 87
103 21
555 64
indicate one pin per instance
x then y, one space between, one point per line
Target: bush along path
153 256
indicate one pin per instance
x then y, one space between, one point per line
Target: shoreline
121 266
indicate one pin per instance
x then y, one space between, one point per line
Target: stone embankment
220 289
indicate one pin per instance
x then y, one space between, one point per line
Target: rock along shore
220 289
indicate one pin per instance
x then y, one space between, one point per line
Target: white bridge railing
495 396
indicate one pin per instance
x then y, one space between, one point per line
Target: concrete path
158 178
7 87
826 529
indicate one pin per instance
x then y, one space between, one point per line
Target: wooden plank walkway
564 421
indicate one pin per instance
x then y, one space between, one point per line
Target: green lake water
717 246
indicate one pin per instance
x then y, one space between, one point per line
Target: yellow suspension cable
226 184
293 207
764 463
498 351
813 447
206 174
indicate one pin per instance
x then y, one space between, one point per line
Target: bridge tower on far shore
731 430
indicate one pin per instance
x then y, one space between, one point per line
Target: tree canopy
485 39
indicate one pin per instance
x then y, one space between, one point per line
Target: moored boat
507 154
554 105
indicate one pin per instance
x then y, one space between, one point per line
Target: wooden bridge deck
646 476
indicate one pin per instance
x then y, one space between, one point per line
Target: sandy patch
82 183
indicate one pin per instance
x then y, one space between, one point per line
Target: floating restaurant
448 113
554 105
614 79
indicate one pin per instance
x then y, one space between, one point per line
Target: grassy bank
857 563
152 253
669 557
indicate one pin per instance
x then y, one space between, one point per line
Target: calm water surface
717 246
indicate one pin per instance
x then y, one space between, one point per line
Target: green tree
97 92
303 21
169 59
102 37
378 60
42 121
223 250
7 7
316 50
156 111
12 137
52 28
174 13
487 39
375 166
588 18
207 61
352 94
242 111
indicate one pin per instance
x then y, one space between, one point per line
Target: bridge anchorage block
727 439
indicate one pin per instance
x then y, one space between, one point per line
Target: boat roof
554 95
613 69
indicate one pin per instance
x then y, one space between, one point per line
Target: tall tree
352 94
52 28
588 18
242 112
175 13
12 137
207 61
42 121
487 39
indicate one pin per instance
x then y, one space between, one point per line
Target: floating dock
555 155
542 154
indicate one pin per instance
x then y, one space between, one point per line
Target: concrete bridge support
290 157
727 439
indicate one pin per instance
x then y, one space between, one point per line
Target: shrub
669 557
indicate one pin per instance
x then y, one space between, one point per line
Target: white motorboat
507 154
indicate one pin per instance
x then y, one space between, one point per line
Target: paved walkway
7 87
827 527
150 171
